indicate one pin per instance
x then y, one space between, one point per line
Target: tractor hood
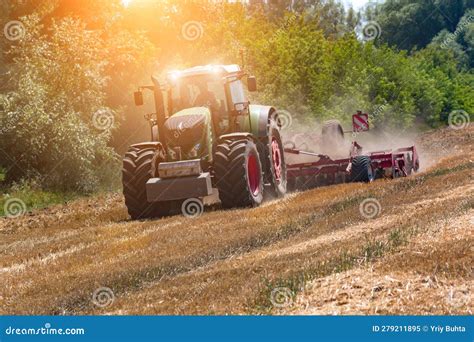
189 132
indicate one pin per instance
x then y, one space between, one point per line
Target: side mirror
138 97
252 83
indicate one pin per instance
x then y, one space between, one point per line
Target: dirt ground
312 252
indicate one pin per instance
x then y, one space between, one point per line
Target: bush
54 122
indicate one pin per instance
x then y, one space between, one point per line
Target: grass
30 196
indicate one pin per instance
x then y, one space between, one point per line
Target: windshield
199 91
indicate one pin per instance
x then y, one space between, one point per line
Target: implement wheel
361 170
238 173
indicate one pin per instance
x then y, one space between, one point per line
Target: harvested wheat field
310 253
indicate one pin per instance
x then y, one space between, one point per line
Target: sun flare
126 3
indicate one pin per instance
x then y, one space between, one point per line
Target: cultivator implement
307 169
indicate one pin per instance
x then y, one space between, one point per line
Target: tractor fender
151 144
259 118
237 135
160 153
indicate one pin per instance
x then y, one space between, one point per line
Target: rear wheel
275 168
238 173
137 170
361 170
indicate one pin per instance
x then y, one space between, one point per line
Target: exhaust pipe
160 110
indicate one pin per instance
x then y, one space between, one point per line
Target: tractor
206 139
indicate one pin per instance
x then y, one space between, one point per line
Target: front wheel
238 173
137 170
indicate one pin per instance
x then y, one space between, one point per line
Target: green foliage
409 24
48 120
305 71
31 194
293 67
315 77
78 61
442 88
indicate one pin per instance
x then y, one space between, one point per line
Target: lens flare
126 3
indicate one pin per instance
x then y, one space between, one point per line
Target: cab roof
206 69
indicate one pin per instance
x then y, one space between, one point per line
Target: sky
357 4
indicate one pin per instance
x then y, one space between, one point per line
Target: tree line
68 68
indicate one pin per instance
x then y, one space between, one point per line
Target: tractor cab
202 103
217 87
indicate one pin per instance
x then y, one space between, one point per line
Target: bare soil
414 257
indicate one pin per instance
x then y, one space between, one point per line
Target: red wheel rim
253 172
276 159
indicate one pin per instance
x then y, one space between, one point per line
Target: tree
409 24
55 124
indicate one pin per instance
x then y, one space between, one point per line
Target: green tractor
206 140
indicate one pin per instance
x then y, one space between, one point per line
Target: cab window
237 92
